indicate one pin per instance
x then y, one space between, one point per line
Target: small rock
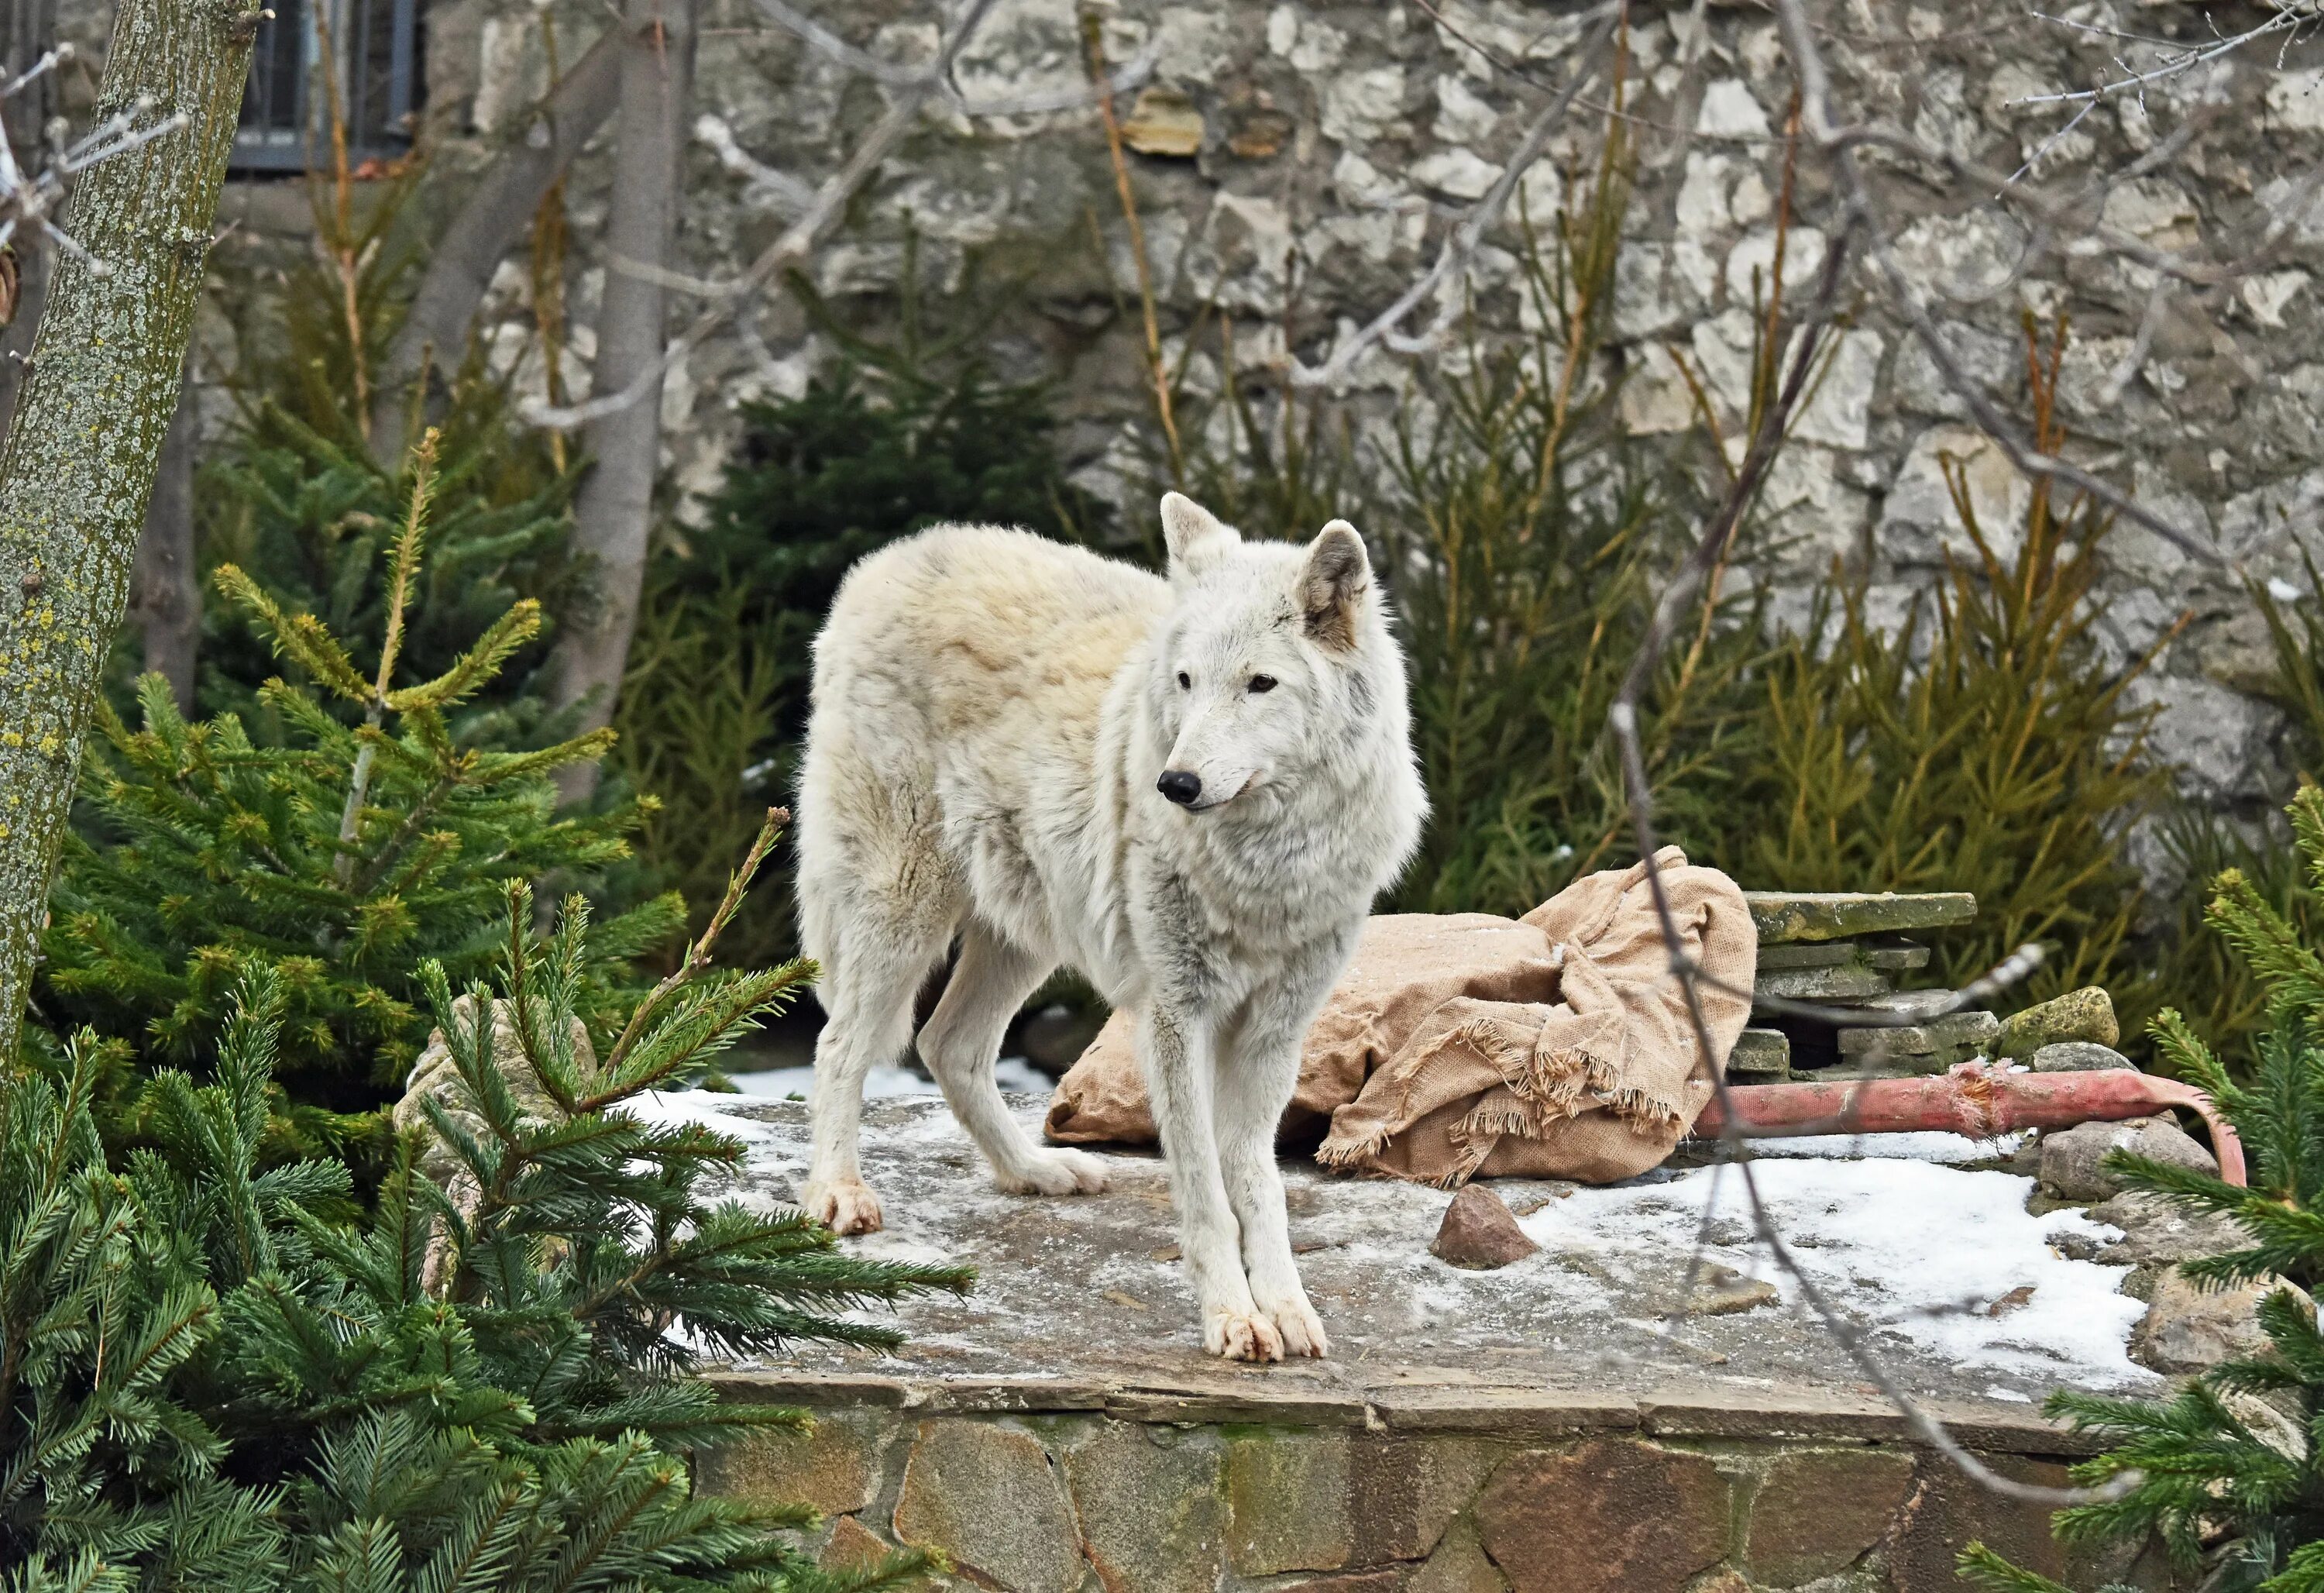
2163 1231
2073 1159
1479 1233
1163 122
2189 1328
2018 1299
1721 1292
2076 1056
2087 1013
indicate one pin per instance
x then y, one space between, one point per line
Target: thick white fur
991 712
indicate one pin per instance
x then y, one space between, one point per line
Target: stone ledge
1428 1400
1447 1488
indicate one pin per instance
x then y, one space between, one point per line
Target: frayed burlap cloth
1557 1046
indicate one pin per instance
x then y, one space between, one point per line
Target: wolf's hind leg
960 1043
874 969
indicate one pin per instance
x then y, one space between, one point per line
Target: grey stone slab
1896 955
1952 1032
1810 954
1759 1055
1784 916
1847 982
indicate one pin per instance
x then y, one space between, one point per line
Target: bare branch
802 235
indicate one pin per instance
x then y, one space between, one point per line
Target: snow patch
1946 1260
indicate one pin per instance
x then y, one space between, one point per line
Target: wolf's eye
1183 683
1262 682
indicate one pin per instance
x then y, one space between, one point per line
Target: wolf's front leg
1258 1068
1176 1047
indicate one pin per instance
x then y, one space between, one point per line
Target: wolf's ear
1333 584
1193 534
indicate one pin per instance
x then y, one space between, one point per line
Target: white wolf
1189 789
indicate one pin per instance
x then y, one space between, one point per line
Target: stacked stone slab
1851 950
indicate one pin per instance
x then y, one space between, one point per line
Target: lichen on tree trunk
82 448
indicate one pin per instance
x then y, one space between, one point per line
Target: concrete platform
1061 1428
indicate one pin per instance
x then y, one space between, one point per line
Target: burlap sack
1555 1046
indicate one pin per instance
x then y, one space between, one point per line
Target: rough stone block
1944 1510
986 1495
2087 1013
1817 1511
1459 1565
2076 1056
1896 957
2073 1160
1760 1055
1406 1490
2158 1230
2190 1328
1150 1507
853 1546
1287 1498
1610 1516
1786 916
834 1467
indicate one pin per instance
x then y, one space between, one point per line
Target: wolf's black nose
1179 786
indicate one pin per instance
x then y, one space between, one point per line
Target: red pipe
1974 1100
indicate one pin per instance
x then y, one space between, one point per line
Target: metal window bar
285 111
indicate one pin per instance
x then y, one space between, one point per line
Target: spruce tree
382 824
2229 1473
205 1383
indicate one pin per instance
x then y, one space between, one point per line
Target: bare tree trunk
460 268
81 452
614 511
32 29
165 593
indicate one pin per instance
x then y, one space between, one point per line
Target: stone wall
1056 1489
1306 159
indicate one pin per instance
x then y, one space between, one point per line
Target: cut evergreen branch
2227 1474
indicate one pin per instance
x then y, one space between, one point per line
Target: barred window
375 46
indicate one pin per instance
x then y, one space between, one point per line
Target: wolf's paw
1240 1336
1300 1329
1055 1173
844 1206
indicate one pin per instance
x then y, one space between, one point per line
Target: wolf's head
1276 661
